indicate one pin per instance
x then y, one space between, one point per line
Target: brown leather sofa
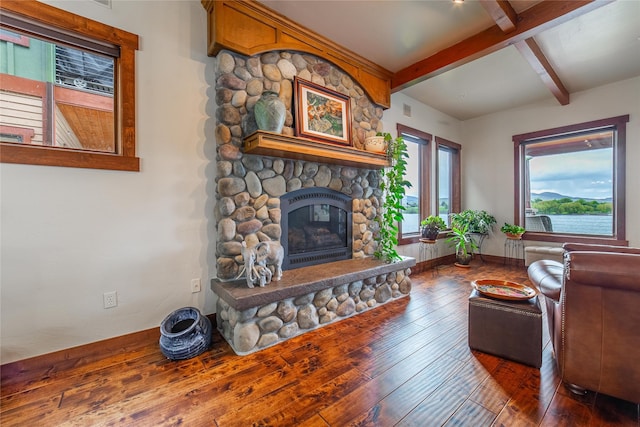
593 309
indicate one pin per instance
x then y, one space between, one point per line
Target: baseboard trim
433 263
451 258
38 367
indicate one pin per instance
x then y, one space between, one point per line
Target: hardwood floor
406 363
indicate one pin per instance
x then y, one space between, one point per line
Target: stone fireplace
324 213
250 188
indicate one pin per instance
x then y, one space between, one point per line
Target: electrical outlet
195 286
110 299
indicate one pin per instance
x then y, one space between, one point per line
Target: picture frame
322 114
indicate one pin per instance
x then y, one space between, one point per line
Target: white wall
487 153
69 235
434 122
487 161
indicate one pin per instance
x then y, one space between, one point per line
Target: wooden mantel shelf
290 147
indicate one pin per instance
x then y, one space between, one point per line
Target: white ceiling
599 47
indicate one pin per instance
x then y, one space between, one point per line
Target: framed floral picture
322 114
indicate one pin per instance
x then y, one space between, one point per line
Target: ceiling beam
537 18
502 13
506 17
538 61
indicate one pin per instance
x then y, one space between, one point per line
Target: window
448 196
416 200
570 182
67 89
421 199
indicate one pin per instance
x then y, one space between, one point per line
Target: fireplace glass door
316 228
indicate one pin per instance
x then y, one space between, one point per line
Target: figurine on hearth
257 260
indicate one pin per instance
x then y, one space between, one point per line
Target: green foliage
433 221
393 186
566 206
462 241
512 229
474 221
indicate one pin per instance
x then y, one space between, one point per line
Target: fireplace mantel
290 147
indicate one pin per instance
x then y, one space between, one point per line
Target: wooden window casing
56 25
618 125
425 166
455 195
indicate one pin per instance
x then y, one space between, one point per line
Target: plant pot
514 236
375 144
463 259
430 233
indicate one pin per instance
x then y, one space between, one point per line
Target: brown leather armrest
546 275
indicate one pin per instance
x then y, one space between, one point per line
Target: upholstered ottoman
509 329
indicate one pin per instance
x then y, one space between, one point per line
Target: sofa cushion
536 253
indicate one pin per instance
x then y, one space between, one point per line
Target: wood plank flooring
406 363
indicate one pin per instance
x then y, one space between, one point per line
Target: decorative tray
503 289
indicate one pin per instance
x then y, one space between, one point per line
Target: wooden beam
502 13
537 18
506 17
538 61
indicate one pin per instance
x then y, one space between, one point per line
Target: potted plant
431 226
393 185
463 243
512 231
480 222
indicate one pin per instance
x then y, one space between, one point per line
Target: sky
586 174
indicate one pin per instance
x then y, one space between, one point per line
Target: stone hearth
305 299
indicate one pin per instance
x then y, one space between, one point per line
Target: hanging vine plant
393 186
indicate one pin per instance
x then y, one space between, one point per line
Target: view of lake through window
570 183
411 201
444 183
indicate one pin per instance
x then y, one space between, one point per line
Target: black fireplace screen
316 227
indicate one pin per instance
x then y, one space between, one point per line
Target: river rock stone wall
249 186
256 328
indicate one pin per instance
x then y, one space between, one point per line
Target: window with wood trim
416 201
424 198
448 198
67 89
570 182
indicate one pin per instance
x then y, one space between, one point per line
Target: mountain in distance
413 200
549 195
546 195
410 200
